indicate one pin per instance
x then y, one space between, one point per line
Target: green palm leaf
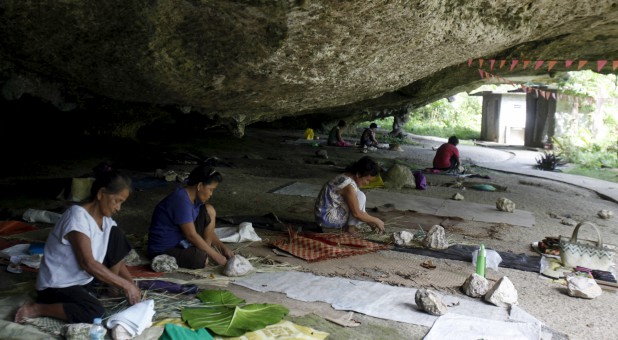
224 316
219 298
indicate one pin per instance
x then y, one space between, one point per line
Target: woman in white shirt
85 244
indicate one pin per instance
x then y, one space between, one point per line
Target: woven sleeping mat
313 247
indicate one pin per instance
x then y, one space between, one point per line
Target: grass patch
606 174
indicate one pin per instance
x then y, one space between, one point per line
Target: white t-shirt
59 267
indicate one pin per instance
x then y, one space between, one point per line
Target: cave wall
241 62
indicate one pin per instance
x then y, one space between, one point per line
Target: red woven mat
8 228
314 247
143 271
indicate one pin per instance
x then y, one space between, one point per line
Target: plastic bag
492 258
420 180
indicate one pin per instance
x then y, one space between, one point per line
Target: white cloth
243 233
21 251
455 326
370 298
59 267
135 318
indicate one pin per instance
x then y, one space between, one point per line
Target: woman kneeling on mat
341 204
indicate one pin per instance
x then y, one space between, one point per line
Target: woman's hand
379 224
133 294
228 253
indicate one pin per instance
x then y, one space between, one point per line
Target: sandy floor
261 162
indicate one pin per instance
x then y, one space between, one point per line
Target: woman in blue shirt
183 223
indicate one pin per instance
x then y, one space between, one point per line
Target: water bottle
97 331
480 261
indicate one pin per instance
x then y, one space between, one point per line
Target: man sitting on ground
447 156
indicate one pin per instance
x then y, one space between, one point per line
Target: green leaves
225 315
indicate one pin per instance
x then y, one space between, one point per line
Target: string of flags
539 63
542 93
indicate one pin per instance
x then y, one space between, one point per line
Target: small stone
164 264
76 331
322 154
403 238
475 286
237 266
458 197
605 214
568 221
436 238
505 204
430 302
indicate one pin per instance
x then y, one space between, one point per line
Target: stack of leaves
227 315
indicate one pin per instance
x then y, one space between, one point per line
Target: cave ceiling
242 62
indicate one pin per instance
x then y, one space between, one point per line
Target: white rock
402 238
458 197
238 266
505 204
502 294
430 302
605 214
436 238
164 264
583 287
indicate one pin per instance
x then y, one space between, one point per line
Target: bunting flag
539 64
600 64
538 92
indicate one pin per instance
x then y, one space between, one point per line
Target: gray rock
322 154
430 302
605 214
583 287
399 176
568 221
436 238
164 264
505 204
76 331
458 197
238 266
502 294
475 286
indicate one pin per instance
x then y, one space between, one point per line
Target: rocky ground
260 162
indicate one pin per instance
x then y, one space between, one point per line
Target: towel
243 233
135 318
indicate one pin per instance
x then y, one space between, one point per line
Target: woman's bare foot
26 311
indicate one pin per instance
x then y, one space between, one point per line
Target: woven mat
314 247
